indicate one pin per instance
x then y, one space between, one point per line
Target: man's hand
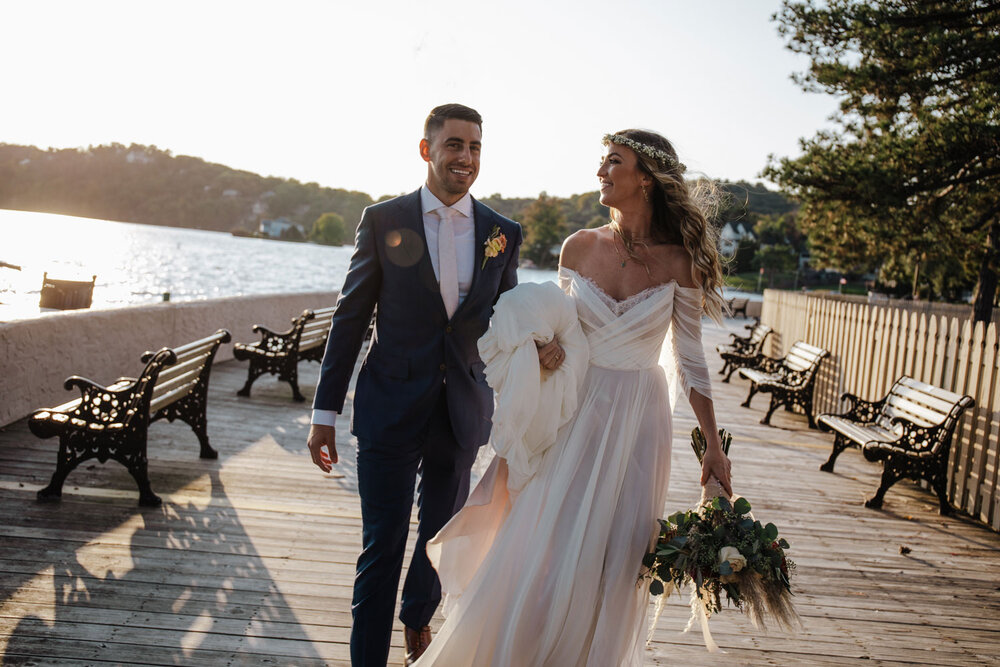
551 356
319 436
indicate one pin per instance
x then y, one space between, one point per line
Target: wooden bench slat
903 407
797 363
194 353
927 401
207 342
308 345
166 398
930 390
316 333
182 368
860 433
187 380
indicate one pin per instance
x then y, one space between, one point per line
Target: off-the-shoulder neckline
593 282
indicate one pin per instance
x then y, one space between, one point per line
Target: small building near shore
276 228
730 236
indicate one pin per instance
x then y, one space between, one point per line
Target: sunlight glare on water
136 264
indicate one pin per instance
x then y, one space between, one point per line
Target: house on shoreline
278 228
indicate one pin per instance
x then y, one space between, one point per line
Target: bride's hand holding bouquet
719 547
715 462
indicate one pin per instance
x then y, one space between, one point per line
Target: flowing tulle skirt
559 584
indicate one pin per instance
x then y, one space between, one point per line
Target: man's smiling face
452 155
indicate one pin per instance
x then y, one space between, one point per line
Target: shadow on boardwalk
250 560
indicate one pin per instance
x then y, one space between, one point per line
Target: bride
558 584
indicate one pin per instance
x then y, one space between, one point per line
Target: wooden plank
941 330
880 342
989 401
966 446
963 344
837 367
920 347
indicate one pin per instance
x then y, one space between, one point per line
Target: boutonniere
495 244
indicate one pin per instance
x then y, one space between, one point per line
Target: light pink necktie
447 261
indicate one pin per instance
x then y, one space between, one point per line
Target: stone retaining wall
37 355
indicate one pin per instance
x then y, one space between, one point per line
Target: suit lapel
483 223
412 218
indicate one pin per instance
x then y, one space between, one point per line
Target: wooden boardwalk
251 558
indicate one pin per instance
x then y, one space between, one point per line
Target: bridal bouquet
718 547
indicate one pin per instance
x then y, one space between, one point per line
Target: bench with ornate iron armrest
743 351
113 422
789 380
279 353
910 431
738 306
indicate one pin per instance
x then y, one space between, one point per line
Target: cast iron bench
909 430
737 306
743 351
789 380
113 422
279 353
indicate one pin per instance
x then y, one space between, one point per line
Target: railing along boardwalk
872 346
250 560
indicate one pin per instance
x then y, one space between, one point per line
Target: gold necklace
614 242
629 251
630 241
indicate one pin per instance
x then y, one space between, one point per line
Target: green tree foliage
147 185
293 233
330 229
545 229
743 258
578 211
906 183
775 258
776 253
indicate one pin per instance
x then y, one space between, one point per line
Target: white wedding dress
558 585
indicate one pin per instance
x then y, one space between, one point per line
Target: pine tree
907 182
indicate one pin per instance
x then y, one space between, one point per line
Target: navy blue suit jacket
415 348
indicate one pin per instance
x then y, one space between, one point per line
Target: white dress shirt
465 236
465 250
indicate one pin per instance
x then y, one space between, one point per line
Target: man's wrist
324 417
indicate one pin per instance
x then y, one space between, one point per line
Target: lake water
137 264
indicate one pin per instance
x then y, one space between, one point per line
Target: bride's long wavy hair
682 212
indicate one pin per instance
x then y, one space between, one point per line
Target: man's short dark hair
435 121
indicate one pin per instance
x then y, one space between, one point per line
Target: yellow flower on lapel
494 246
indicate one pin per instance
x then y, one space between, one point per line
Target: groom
430 264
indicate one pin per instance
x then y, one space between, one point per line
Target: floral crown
662 157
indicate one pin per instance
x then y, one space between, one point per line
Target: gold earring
644 193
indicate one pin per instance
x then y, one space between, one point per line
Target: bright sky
336 92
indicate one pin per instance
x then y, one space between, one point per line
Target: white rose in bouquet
736 560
